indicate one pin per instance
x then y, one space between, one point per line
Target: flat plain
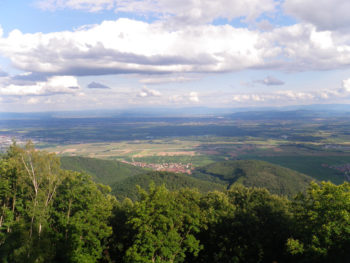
311 142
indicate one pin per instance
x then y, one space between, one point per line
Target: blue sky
105 54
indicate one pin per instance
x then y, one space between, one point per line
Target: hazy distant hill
252 173
102 171
173 181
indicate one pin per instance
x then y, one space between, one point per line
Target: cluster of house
169 167
6 141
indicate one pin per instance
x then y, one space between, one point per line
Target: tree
322 220
48 214
244 225
80 217
122 237
164 224
32 177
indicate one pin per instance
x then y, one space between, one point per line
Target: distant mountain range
179 112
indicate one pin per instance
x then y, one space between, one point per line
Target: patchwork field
310 142
313 159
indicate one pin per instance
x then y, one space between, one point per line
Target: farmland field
308 142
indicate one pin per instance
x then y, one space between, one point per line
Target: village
6 141
168 167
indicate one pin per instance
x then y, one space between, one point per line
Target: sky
110 54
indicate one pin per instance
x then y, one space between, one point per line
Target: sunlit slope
102 171
253 173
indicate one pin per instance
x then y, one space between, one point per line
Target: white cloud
304 48
167 55
33 101
346 85
194 97
287 96
324 14
146 92
265 25
250 97
114 47
54 85
175 98
161 79
190 98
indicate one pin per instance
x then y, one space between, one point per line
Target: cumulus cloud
325 14
290 95
180 11
265 25
189 98
270 81
346 86
194 97
161 79
146 92
33 101
96 85
114 47
303 48
54 85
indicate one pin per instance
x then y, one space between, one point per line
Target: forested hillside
48 214
251 173
123 178
172 181
102 171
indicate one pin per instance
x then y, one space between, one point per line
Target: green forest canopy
48 214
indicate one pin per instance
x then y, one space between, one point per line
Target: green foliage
252 173
47 214
294 247
173 181
81 212
102 171
164 223
123 233
322 218
249 225
51 215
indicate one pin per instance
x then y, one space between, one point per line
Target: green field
308 158
306 141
